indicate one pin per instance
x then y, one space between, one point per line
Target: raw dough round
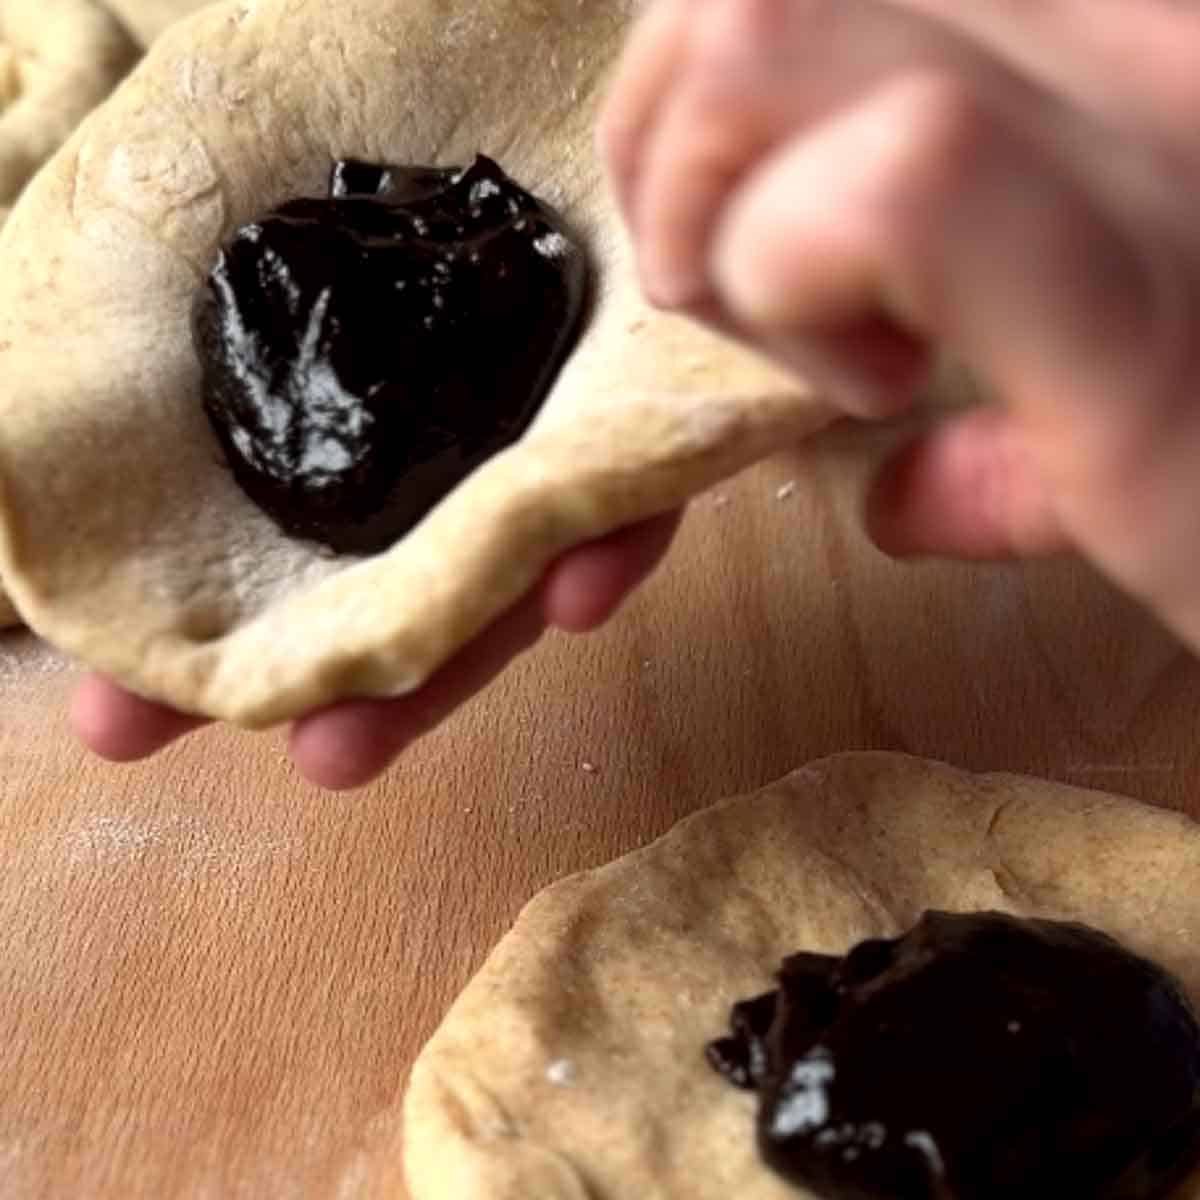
571 1067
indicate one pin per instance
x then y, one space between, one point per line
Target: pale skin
843 184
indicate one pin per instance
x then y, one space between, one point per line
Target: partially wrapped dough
147 19
572 1068
124 539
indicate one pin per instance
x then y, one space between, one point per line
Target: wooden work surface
214 976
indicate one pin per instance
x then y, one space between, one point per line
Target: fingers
120 726
922 204
744 85
703 133
940 214
870 363
937 212
969 489
648 66
718 89
348 744
841 120
798 258
584 588
1088 55
837 183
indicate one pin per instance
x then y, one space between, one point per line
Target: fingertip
648 63
122 727
585 590
88 714
690 168
346 746
967 489
349 743
870 369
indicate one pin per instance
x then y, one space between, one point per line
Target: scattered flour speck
23 656
561 1072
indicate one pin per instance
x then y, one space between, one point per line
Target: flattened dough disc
571 1067
123 538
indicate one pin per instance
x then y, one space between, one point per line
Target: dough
58 59
571 1067
123 538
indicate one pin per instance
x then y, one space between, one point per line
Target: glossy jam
364 352
979 1057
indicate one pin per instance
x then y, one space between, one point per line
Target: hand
347 744
845 183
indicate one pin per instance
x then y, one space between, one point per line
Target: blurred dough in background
58 60
146 19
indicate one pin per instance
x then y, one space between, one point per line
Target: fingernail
665 282
668 290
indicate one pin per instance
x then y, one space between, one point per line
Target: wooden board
214 977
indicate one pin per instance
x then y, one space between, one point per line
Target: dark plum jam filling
978 1057
364 352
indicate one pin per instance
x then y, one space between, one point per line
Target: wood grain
214 976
